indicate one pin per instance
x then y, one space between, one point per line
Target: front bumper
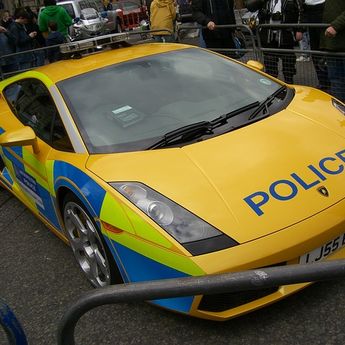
281 248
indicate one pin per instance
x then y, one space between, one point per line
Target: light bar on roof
95 42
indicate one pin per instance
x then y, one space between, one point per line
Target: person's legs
168 38
164 38
202 43
314 14
318 60
289 66
304 44
271 64
220 40
40 58
336 75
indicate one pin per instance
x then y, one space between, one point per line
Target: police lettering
287 189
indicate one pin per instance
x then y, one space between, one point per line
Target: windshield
128 106
89 13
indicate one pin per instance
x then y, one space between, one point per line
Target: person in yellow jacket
162 16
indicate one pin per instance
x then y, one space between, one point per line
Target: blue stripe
12 158
87 188
117 259
49 211
7 177
140 268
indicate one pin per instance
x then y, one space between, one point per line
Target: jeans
40 58
164 38
313 14
336 76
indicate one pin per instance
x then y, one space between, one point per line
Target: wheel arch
61 195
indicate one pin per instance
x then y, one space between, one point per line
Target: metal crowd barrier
244 32
32 57
169 288
304 67
208 285
309 67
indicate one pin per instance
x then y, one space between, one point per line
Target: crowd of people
330 70
27 31
211 14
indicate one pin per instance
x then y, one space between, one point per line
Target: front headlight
338 105
196 235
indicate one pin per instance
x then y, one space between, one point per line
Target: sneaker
303 58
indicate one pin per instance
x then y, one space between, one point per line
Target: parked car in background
131 13
75 7
89 24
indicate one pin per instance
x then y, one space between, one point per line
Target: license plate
320 253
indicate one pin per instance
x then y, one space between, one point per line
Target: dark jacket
291 12
221 12
334 13
39 41
54 38
23 42
7 46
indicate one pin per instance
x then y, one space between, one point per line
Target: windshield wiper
198 129
184 133
264 105
225 117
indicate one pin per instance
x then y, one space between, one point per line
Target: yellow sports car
159 160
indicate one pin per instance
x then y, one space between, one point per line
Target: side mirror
104 14
76 20
255 64
21 137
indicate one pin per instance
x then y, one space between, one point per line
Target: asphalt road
39 279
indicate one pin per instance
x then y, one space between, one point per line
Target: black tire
89 248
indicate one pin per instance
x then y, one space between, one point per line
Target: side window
91 4
130 6
69 9
33 106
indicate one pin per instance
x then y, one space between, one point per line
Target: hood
52 10
163 3
250 182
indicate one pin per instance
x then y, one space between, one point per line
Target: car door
32 104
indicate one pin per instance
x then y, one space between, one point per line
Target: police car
161 160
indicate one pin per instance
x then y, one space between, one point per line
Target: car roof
65 69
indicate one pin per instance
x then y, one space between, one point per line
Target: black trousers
219 38
271 61
313 14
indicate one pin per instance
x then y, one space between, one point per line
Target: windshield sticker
289 188
126 116
265 81
122 109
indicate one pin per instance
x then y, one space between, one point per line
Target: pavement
39 279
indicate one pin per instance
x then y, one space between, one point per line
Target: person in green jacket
333 40
55 13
